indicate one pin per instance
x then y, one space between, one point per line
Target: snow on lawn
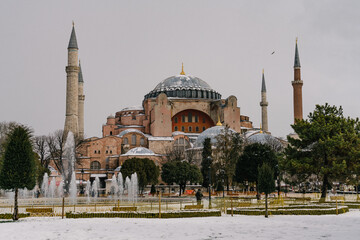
344 226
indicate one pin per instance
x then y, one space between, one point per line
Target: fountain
69 174
60 189
73 189
131 185
45 185
114 188
121 185
95 187
52 188
88 191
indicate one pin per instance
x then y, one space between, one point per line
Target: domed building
177 114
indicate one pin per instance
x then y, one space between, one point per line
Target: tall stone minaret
72 78
264 104
81 104
297 86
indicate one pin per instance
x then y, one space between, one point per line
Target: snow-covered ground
344 226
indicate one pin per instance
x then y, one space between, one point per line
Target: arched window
95 165
110 132
176 121
183 129
107 151
176 128
181 144
189 117
190 129
110 151
142 141
197 129
95 151
133 140
126 141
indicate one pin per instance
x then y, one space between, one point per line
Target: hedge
182 214
282 211
10 215
39 210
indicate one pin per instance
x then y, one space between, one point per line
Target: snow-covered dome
138 151
131 130
260 137
184 86
210 133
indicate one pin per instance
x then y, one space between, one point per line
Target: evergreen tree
146 171
328 147
266 182
180 173
206 162
18 163
253 157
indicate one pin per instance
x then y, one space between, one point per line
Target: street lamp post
82 181
209 176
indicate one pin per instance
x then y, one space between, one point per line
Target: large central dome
184 86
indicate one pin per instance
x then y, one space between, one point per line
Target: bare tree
174 154
190 156
42 149
226 154
55 143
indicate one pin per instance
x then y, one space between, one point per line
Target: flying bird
272 52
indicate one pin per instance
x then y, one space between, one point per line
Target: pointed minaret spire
297 86
263 86
73 41
297 59
80 73
182 70
263 104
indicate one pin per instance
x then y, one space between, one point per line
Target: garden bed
299 210
175 214
10 215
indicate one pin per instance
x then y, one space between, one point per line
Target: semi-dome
139 151
184 86
130 130
210 133
260 137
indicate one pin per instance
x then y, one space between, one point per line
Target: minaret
297 86
72 78
264 104
81 104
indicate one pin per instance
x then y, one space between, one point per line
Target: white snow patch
344 226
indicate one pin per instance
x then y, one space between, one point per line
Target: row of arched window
133 140
190 129
187 94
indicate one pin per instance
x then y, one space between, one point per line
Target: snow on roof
210 133
129 131
152 138
176 133
132 108
139 151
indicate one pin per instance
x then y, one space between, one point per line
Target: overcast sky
127 47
